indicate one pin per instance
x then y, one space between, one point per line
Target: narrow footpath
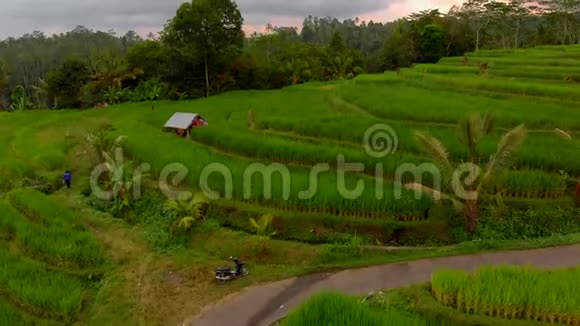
265 304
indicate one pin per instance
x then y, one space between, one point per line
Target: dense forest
203 51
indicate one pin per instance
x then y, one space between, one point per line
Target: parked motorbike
225 274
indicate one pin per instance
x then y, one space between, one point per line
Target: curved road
263 305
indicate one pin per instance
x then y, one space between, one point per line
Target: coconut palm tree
466 195
569 137
41 94
100 142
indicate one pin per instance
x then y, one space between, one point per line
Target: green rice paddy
299 127
512 293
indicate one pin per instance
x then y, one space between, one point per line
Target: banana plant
115 94
262 226
121 181
19 101
188 211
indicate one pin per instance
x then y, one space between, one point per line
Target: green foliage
46 184
466 194
121 179
511 293
19 100
432 43
66 83
159 224
263 225
324 229
100 142
397 51
152 90
149 56
116 94
212 29
188 211
531 223
3 82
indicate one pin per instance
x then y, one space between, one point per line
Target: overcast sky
18 17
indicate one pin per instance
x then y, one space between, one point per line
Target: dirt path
265 304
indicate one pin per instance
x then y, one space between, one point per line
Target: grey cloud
23 16
335 8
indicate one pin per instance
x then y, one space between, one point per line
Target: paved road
263 305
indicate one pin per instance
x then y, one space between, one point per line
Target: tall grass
512 292
337 309
54 245
57 294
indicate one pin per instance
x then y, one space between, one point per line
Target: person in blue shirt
67 179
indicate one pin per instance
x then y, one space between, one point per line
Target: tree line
203 51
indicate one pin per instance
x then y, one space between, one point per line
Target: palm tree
566 136
569 137
41 94
470 132
110 68
100 142
298 70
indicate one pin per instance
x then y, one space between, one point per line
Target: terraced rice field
47 261
324 125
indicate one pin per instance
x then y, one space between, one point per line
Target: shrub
531 223
313 228
159 226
